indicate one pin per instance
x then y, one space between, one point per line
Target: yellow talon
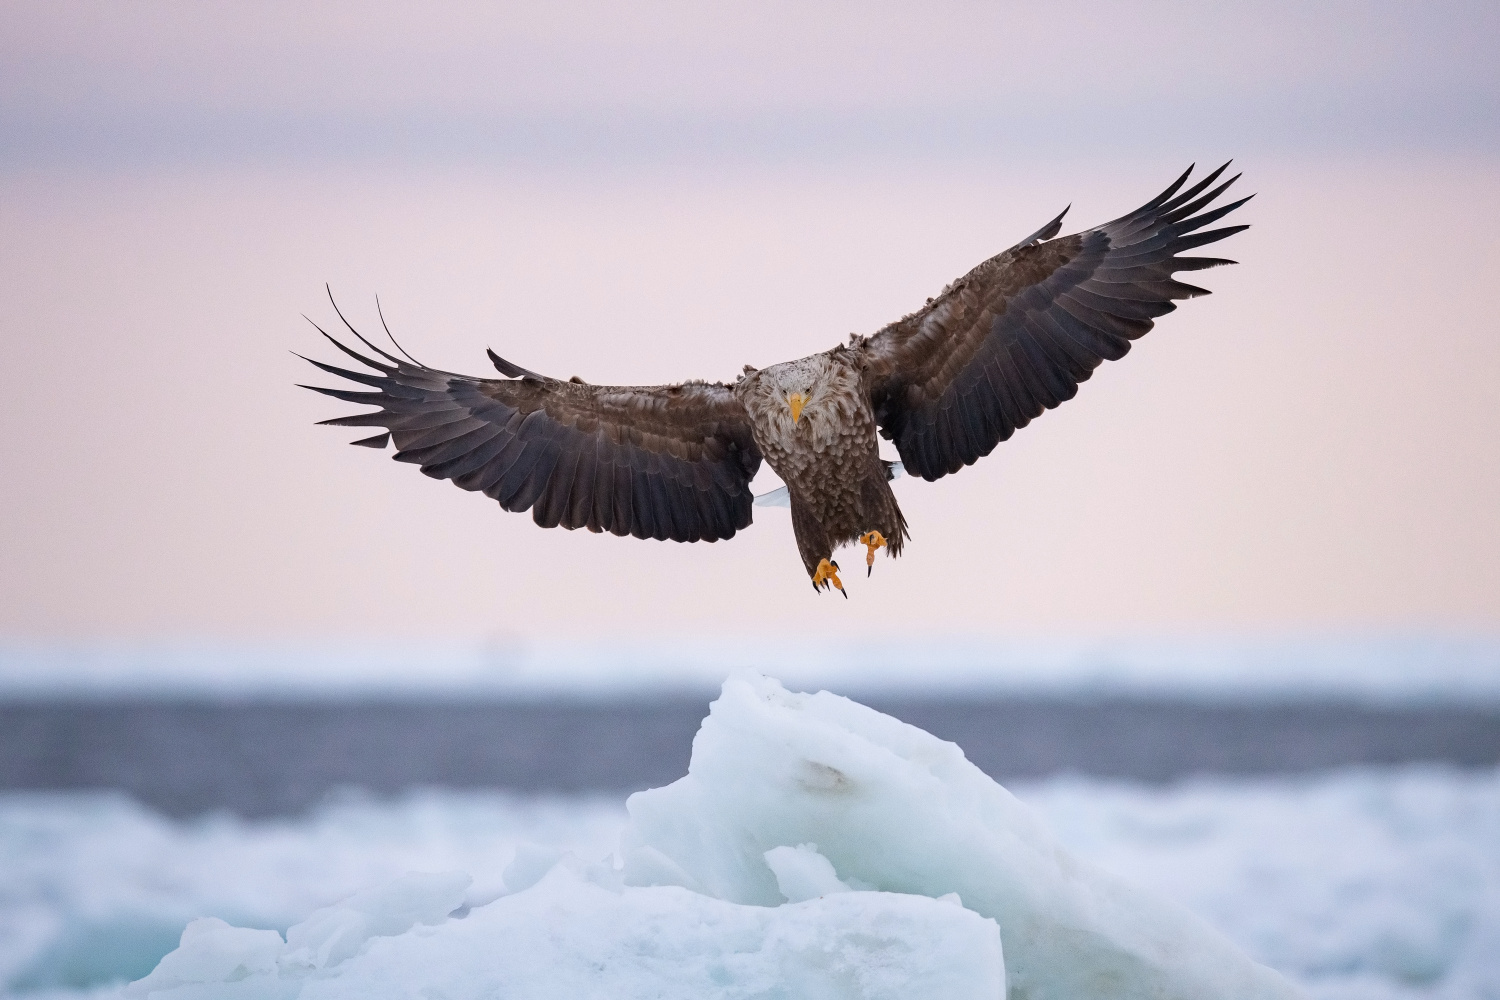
828 572
873 540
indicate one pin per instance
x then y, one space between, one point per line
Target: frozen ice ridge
816 848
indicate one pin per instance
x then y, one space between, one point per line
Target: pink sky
1315 446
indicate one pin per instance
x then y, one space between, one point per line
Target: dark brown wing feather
1018 333
650 461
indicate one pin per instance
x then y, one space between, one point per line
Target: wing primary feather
379 441
378 381
623 490
407 419
734 511
1061 352
614 486
1199 221
1119 306
687 497
698 528
508 369
679 525
480 478
457 423
1117 326
1199 263
349 395
992 417
436 455
644 521
1200 239
581 506
946 440
1011 411
358 356
1048 231
389 357
413 423
377 419
661 499
475 455
1103 345
392 337
510 489
1184 212
552 506
1165 243
1052 377
1029 392
543 455
347 350
1161 199
604 476
506 488
1169 207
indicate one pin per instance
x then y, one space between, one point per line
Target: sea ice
1374 882
579 933
903 811
816 848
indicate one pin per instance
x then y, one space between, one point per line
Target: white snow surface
1377 882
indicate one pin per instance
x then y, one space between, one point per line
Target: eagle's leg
872 540
828 572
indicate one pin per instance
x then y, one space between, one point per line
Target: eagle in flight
1013 337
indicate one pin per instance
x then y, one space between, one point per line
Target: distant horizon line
644 136
1431 666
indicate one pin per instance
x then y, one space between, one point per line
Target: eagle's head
795 394
795 384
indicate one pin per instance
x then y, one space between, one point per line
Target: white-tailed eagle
1013 337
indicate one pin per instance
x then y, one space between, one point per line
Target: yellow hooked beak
796 401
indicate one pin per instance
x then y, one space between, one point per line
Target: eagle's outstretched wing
1016 335
670 461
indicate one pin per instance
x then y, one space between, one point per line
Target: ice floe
579 933
816 848
901 811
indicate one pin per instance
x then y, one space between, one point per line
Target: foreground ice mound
895 809
816 848
579 933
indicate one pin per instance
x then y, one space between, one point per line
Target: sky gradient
671 194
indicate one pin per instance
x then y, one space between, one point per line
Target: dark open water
261 759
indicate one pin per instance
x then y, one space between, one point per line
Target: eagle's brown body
1009 340
836 433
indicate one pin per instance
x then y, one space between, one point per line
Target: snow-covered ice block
802 873
896 809
816 848
216 960
211 951
338 932
571 936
